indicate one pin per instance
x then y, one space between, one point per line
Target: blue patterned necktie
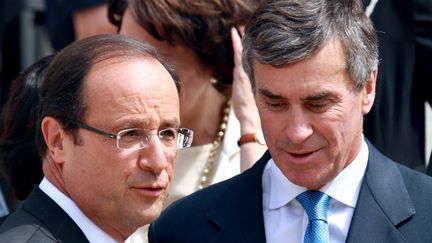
315 204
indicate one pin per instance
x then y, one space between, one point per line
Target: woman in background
200 39
19 158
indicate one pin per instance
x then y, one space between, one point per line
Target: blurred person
10 38
313 67
61 21
216 99
20 161
66 21
396 123
108 132
71 20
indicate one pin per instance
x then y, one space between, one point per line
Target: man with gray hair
313 67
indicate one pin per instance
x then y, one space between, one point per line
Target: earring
213 81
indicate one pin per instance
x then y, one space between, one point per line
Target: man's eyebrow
170 122
321 95
318 96
267 93
140 122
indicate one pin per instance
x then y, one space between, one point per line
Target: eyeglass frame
186 132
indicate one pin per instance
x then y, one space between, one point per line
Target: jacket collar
383 204
53 217
246 223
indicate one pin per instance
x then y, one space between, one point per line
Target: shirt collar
345 187
90 230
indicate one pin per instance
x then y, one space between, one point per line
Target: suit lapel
239 214
56 220
383 203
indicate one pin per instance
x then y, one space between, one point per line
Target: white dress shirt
285 219
90 230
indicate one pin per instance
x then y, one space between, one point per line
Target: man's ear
368 92
54 138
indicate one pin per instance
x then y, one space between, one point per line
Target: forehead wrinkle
137 104
151 107
140 96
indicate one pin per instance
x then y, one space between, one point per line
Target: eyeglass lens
139 138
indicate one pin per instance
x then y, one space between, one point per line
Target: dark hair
62 90
116 9
287 31
19 157
202 26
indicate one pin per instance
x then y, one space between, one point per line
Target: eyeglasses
135 138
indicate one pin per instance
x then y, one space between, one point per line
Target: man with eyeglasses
108 133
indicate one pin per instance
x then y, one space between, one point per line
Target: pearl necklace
208 171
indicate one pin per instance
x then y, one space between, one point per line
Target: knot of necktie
315 203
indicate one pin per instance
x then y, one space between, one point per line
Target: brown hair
202 26
19 158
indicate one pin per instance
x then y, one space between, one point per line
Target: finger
241 30
237 46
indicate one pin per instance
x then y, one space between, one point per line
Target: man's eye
319 106
133 136
132 133
275 106
168 134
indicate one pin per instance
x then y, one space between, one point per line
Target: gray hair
281 32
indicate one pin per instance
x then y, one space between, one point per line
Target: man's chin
310 179
151 213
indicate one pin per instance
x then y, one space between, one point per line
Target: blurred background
31 29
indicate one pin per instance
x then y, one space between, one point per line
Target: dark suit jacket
396 123
429 171
393 206
40 219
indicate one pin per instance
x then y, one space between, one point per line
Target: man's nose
154 156
298 126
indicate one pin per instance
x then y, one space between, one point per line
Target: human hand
242 98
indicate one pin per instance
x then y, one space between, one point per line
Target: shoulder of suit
23 227
418 179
